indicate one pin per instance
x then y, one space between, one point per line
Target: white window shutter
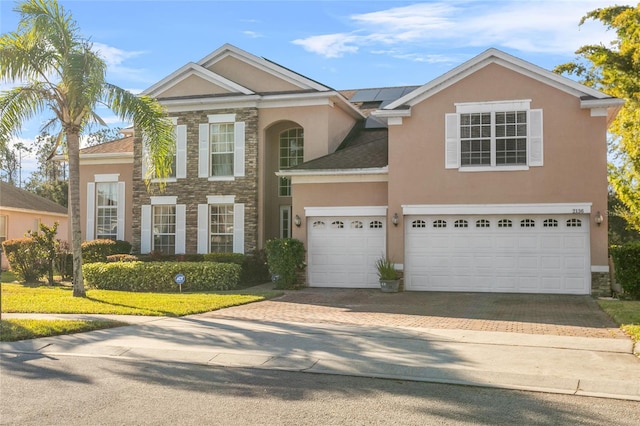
146 159
203 228
203 150
238 158
181 151
121 210
536 151
181 229
91 211
145 229
452 142
238 228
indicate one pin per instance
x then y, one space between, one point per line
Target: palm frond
150 120
20 104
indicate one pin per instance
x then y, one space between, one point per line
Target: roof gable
495 56
16 198
292 78
194 79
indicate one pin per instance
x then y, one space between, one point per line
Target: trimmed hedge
98 250
237 258
285 257
159 277
26 258
627 267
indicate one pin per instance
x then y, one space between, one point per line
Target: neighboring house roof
19 199
112 147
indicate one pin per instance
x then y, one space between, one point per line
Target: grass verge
22 329
44 299
626 313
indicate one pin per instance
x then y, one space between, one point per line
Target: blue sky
343 44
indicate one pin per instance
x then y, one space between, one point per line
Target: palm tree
57 71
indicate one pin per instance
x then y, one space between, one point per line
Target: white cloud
542 26
330 45
252 34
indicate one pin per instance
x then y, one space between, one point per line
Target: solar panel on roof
365 95
388 94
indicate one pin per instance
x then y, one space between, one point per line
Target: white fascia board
262 64
310 99
110 158
30 211
501 58
385 114
191 104
484 209
333 172
352 211
601 103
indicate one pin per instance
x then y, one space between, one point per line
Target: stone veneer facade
194 190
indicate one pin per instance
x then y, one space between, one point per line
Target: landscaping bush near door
627 266
285 257
159 276
98 250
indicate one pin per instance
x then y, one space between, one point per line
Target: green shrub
48 245
121 258
122 247
285 258
237 258
25 258
627 266
159 277
255 269
97 250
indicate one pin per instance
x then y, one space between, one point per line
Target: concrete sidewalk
561 364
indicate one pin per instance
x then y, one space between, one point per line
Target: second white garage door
510 253
342 251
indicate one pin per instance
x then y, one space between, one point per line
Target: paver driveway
518 313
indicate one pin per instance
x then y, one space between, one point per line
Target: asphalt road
39 390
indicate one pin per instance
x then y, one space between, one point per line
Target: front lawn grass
59 300
626 313
22 329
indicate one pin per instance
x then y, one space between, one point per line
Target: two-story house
491 177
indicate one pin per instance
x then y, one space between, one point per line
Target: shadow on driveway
562 315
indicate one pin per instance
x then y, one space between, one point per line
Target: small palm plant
386 269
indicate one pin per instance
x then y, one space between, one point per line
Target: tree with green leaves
55 69
615 69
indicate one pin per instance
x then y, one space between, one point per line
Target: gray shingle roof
12 197
363 149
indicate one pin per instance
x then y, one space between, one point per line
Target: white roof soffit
508 61
261 63
197 70
327 172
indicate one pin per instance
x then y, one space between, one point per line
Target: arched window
375 224
574 223
439 223
527 223
291 154
461 223
505 223
418 224
550 223
482 223
356 224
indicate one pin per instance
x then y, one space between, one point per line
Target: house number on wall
575 211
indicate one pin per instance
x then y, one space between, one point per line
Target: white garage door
509 253
343 251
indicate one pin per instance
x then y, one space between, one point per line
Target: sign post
179 279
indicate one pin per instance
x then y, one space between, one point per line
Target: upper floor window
177 155
291 153
494 136
221 147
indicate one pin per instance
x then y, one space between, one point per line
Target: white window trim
204 218
101 178
535 146
146 224
221 199
284 209
165 199
204 147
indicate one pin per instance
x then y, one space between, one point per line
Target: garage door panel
343 251
537 253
